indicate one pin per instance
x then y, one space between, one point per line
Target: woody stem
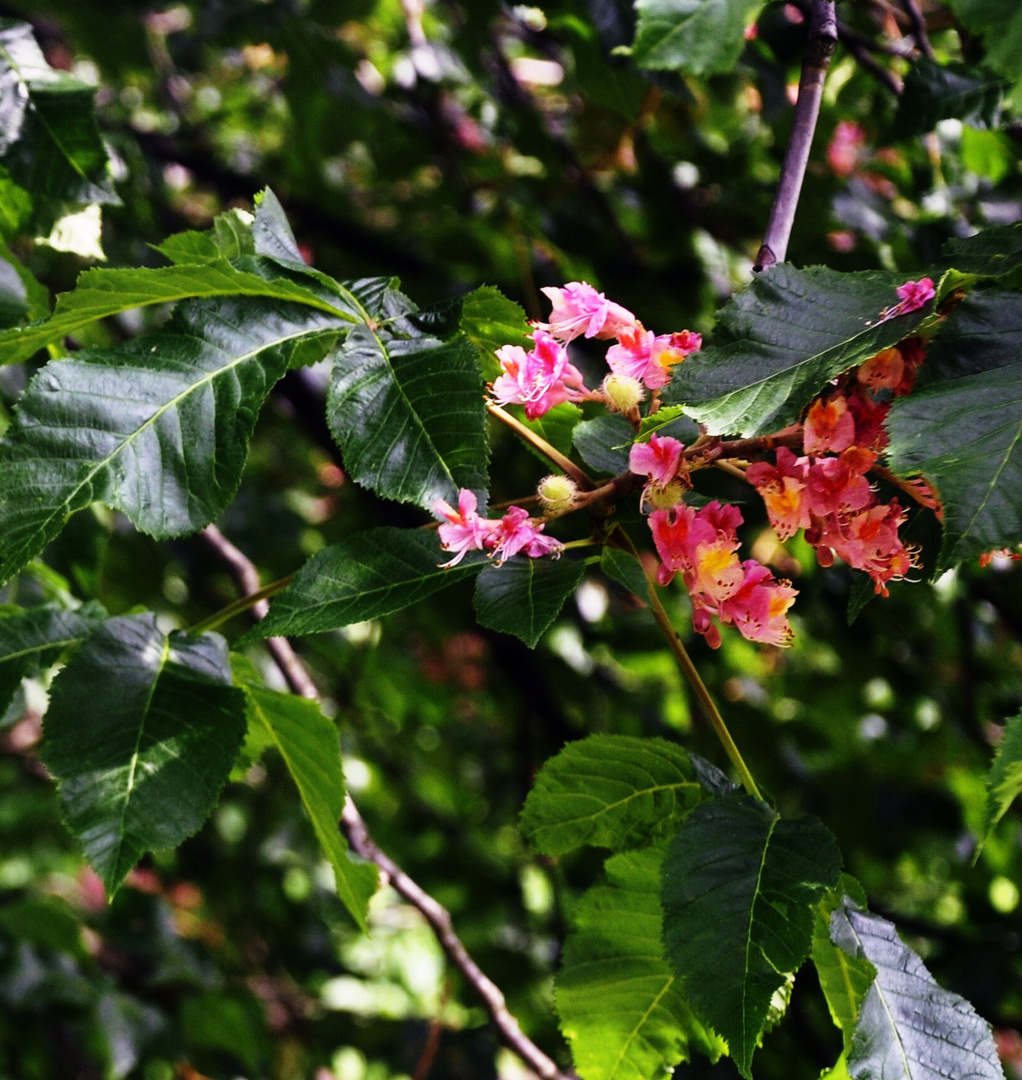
539 443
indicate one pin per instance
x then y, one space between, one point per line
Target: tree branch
354 828
819 49
918 24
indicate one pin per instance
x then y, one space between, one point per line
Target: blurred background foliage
455 144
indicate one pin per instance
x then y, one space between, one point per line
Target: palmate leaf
739 886
935 92
620 1004
157 428
408 415
48 135
141 733
367 575
696 37
34 639
909 1027
962 429
524 596
612 791
779 342
100 293
307 741
1004 781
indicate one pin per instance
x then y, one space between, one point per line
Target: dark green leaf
557 427
365 576
935 92
1000 24
695 37
909 1027
669 420
1004 782
604 443
626 570
49 141
523 596
34 639
230 237
619 1002
13 297
844 977
780 341
612 791
739 885
963 429
992 253
409 416
157 428
309 745
100 293
141 732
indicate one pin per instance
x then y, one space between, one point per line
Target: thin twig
539 443
354 829
918 24
819 49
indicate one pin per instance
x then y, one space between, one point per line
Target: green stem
540 444
689 670
218 618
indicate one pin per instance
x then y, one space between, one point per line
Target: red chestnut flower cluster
824 492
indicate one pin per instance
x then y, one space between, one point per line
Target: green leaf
695 37
909 1027
35 639
625 569
618 1000
1004 781
157 428
612 791
141 732
604 442
523 596
935 92
368 575
844 978
100 293
962 429
739 885
780 341
669 420
309 745
489 320
408 416
1000 24
13 297
230 237
993 253
50 142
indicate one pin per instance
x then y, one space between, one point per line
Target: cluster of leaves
711 899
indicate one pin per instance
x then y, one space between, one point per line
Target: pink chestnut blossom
538 379
579 309
464 530
658 459
913 295
515 532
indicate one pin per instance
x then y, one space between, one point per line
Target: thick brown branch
819 49
354 829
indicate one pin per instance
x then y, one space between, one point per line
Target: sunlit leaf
309 745
620 1004
779 342
612 791
697 37
909 1027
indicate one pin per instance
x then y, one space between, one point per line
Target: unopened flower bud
557 493
623 392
